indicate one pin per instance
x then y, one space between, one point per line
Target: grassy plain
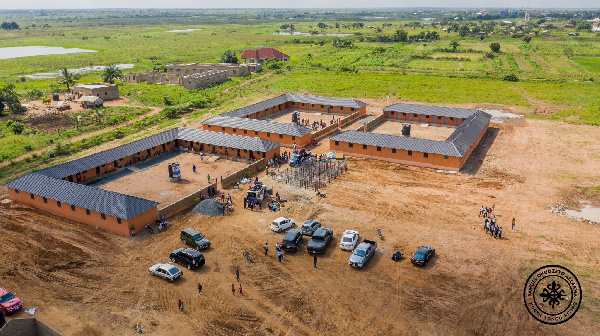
551 85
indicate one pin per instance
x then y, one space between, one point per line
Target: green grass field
430 72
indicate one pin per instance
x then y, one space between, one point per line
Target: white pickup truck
259 193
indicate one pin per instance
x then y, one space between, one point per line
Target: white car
282 223
166 271
349 240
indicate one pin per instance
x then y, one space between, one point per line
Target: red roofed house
260 55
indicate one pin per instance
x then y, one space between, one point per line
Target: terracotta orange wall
401 156
94 219
285 140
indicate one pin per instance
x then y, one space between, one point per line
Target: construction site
90 281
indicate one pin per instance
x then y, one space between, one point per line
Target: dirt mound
209 207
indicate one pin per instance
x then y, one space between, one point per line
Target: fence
372 123
251 169
184 203
314 175
325 131
349 119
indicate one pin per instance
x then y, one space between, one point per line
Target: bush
17 127
511 78
490 55
495 46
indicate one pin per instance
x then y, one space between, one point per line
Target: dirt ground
36 107
438 133
152 183
285 116
89 282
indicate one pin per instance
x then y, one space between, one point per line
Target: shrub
17 127
511 78
495 46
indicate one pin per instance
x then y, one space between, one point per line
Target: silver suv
363 252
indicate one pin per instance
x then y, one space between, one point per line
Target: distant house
102 90
260 55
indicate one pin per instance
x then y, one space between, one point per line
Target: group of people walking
491 222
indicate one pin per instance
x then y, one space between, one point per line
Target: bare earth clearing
153 183
89 282
438 133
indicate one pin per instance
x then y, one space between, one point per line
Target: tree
229 57
66 77
568 52
17 127
10 98
495 46
111 73
321 25
527 39
584 26
400 36
34 94
454 45
464 31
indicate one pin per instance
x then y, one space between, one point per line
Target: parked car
187 257
349 240
282 223
310 226
194 239
166 271
423 254
9 302
292 241
363 253
320 240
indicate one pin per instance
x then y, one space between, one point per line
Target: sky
203 4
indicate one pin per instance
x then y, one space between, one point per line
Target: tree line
9 25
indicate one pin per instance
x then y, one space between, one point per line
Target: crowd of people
491 225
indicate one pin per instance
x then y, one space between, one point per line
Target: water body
309 34
182 31
43 75
588 212
17 52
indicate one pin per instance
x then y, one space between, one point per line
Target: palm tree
111 73
66 77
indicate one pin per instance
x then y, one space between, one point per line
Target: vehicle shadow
430 263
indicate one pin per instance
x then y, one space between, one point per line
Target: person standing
233 289
208 177
492 229
279 255
315 261
500 233
132 230
245 201
513 223
237 274
496 232
266 249
481 211
194 168
241 292
278 247
201 157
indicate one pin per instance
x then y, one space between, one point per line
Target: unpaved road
88 282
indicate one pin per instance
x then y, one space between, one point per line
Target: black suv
310 226
292 241
187 257
319 241
423 254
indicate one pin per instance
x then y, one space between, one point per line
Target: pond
16 52
182 31
587 212
42 75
